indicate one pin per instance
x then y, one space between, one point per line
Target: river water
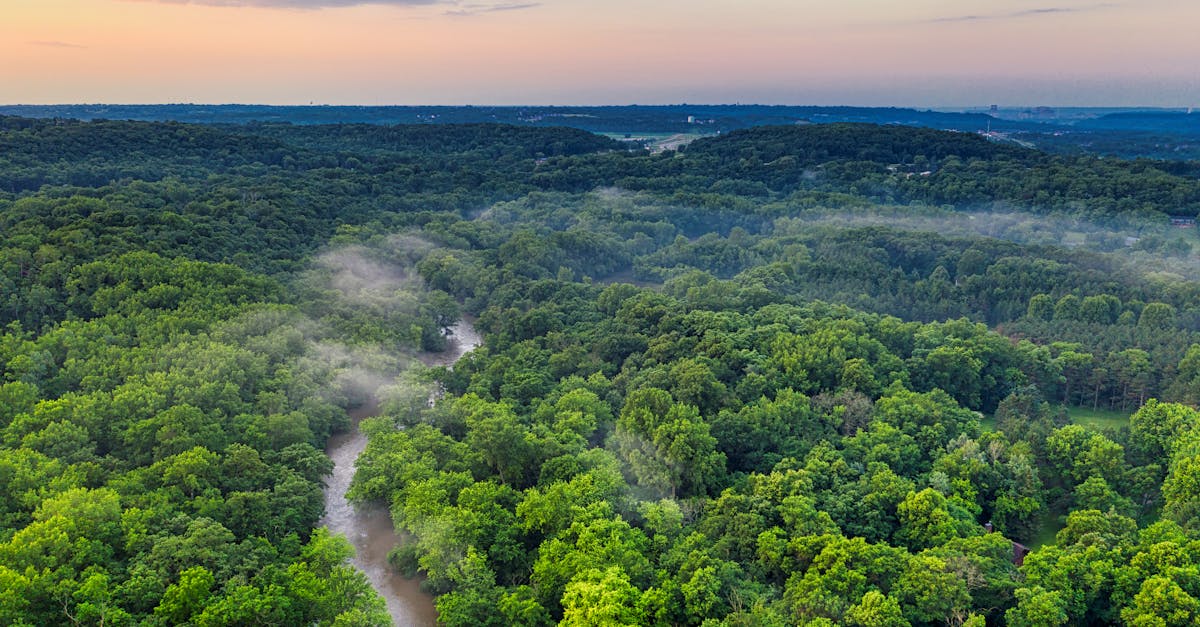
369 527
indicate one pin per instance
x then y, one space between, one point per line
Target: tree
1186 386
876 610
1095 493
598 544
498 435
1037 607
1041 307
1134 375
933 419
1100 309
1181 490
1067 308
929 593
16 397
1161 601
840 572
1155 429
250 605
1074 366
1157 316
954 370
925 520
596 598
667 446
1025 416
326 587
475 597
186 598
1077 454
695 384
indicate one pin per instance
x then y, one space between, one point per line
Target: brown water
463 339
369 527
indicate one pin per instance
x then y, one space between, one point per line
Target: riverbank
369 527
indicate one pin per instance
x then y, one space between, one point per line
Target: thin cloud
460 10
476 9
299 4
1024 13
56 44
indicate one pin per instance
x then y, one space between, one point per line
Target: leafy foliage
751 382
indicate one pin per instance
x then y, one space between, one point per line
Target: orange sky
873 52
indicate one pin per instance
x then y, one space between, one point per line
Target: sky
916 53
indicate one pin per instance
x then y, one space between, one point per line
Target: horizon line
597 106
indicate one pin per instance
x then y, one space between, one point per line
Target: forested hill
38 152
910 164
818 375
466 141
1128 133
888 164
816 144
34 153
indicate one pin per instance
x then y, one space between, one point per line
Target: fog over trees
831 374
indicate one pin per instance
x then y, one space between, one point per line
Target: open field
1049 524
658 142
1099 419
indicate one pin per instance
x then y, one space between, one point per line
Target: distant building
1019 553
1041 113
1183 222
1019 550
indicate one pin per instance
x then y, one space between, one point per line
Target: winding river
369 528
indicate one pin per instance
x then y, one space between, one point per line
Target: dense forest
837 374
1128 133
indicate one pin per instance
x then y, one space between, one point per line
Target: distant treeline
1158 134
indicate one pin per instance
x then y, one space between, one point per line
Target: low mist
1147 246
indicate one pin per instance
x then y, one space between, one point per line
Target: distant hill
1161 121
706 119
853 141
1132 133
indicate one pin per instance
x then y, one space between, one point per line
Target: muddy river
369 528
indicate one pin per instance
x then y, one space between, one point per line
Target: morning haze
465 313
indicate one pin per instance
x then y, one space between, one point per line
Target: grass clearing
1049 524
1099 419
658 142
